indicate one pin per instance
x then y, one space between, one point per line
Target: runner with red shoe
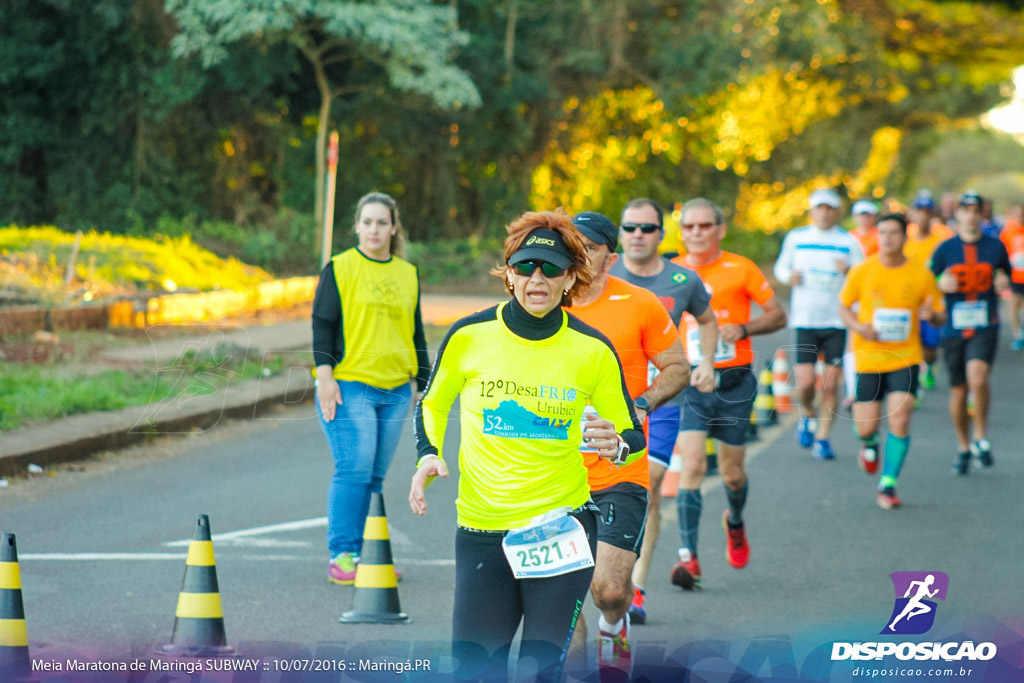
641 332
680 291
892 294
724 414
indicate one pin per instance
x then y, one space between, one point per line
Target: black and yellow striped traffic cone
376 596
712 456
15 663
764 402
199 619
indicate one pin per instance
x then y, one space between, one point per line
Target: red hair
559 221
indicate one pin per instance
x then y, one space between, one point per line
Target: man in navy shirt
972 269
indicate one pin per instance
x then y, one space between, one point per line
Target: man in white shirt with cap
814 261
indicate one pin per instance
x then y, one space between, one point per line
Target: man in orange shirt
1013 237
734 282
892 294
640 330
925 232
864 230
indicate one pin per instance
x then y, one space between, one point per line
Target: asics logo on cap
540 240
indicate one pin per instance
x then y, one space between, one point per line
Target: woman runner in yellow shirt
523 372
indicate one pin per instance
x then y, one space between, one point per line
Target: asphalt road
102 548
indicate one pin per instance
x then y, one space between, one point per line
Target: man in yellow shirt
893 294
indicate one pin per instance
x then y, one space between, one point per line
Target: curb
81 436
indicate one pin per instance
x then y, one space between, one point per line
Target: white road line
100 557
178 557
243 537
260 530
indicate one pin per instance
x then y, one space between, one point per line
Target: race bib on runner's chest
550 548
1017 260
822 280
724 351
892 324
970 314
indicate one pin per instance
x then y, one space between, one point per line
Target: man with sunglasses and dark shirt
680 291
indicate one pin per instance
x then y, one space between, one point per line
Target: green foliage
108 120
411 39
116 265
962 157
457 264
283 244
30 393
761 248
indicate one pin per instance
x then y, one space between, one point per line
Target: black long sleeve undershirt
528 326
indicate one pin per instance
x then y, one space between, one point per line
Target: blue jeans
363 437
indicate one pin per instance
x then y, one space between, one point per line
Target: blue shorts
723 414
662 430
930 335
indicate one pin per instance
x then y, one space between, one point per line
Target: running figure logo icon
914 611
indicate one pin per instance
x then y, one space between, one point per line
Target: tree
758 102
345 43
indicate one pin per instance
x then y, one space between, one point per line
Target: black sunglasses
527 268
645 228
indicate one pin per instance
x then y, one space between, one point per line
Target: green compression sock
896 448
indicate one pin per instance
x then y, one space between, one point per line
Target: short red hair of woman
559 221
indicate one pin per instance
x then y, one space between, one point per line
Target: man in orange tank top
724 414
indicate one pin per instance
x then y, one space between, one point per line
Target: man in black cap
641 333
973 269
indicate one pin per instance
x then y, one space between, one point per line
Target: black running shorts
623 515
873 386
957 351
828 341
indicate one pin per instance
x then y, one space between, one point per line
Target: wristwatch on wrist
642 403
622 454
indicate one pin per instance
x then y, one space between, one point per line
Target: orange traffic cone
670 482
781 389
819 373
376 597
199 619
15 663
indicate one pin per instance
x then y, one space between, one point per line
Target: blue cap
598 228
970 198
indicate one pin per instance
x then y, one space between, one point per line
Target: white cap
864 206
826 197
